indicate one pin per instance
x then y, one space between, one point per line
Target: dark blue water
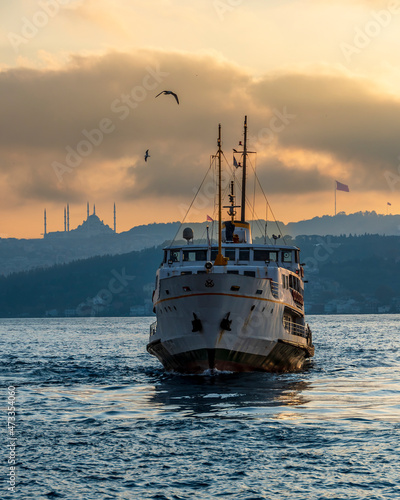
98 418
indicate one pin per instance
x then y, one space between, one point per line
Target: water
98 418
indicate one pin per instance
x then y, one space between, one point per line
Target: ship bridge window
273 256
244 254
165 256
249 273
287 256
175 255
230 253
194 255
265 255
261 255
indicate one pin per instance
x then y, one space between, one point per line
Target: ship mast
220 260
243 208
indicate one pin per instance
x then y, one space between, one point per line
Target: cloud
307 126
347 119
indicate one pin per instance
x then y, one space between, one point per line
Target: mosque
89 228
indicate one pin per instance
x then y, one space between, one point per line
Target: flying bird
169 92
146 155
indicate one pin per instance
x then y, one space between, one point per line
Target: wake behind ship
235 306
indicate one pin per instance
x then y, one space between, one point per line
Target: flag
389 204
342 187
235 163
210 219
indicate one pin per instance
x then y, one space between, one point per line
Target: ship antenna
243 214
220 260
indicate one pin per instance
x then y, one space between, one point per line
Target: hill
92 238
352 274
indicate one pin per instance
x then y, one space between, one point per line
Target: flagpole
335 195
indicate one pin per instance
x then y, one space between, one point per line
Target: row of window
240 254
233 271
292 281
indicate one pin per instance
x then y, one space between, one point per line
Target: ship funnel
188 234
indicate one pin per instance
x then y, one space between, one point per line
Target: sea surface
98 418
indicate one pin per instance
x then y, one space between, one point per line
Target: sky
319 82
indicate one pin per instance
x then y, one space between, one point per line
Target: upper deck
239 255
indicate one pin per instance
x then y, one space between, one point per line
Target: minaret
87 210
65 219
115 220
45 223
68 217
94 209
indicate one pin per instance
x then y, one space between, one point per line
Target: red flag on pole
210 219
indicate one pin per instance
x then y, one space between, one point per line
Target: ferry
235 306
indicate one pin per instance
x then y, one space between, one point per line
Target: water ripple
98 418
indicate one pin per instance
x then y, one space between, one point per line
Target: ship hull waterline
283 357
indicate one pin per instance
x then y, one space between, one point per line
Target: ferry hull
282 357
243 331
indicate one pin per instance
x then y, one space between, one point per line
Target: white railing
295 329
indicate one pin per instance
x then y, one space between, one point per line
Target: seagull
169 92
146 155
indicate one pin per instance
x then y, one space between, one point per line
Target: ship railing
295 329
274 288
153 328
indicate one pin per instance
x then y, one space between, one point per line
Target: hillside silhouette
344 274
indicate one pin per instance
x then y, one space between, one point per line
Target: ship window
235 288
261 255
201 272
194 255
273 256
244 254
230 253
232 272
287 256
214 254
175 255
186 272
249 273
259 292
201 255
165 256
297 256
294 283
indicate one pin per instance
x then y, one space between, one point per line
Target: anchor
226 323
196 323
